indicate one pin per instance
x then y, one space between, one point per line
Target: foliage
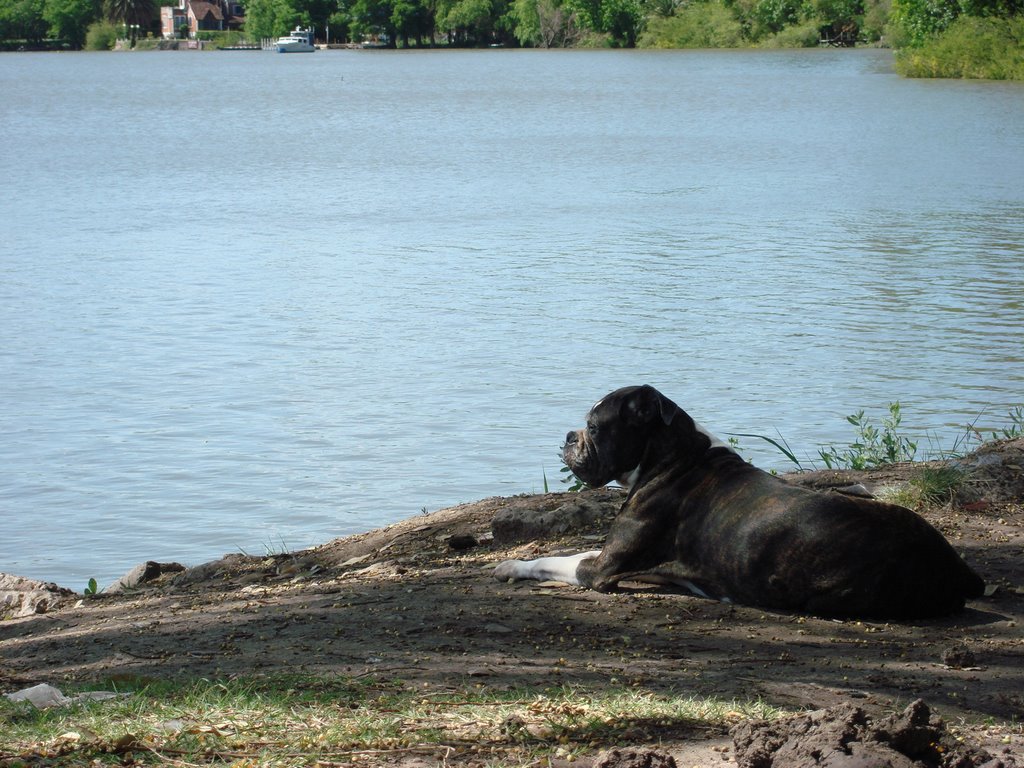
622 20
100 36
698 25
269 18
132 12
574 483
1015 428
23 20
972 47
873 447
70 19
805 35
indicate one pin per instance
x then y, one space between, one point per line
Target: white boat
299 40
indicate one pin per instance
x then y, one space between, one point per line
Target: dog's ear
647 403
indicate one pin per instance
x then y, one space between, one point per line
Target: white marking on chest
627 481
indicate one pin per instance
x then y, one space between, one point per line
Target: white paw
509 570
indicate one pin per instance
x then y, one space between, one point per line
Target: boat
299 40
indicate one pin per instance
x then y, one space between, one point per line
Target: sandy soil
416 601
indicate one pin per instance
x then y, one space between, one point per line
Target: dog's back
825 553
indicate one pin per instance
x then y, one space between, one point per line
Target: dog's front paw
509 570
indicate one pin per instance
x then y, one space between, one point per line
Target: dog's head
623 429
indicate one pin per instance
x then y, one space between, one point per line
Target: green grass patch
929 486
305 720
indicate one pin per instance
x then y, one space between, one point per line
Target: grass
928 486
298 721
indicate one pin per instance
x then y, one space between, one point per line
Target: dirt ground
416 601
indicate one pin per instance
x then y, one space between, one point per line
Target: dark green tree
69 20
374 18
622 20
136 15
23 20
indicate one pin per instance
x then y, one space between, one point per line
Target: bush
972 47
100 36
806 35
700 25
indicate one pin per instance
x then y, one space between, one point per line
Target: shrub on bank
698 25
971 47
806 35
100 36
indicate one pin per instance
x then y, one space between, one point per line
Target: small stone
462 541
958 657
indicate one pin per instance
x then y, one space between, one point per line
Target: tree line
913 25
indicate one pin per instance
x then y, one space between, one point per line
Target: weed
92 588
928 486
1016 427
780 444
574 483
874 447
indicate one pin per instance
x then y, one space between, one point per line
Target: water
252 302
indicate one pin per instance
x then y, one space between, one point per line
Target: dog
699 516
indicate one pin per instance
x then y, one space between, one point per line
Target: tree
411 18
269 18
622 20
70 19
469 22
373 18
23 20
918 20
135 15
544 23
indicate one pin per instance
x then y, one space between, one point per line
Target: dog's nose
570 438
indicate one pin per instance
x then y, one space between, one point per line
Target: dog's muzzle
581 456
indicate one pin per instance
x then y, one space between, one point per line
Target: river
251 302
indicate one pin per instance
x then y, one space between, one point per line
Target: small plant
92 588
937 484
1015 428
928 486
874 447
574 483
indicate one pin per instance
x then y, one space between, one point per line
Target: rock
462 541
958 657
212 570
24 597
845 737
994 472
42 696
142 573
525 520
629 757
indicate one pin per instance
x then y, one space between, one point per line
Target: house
200 16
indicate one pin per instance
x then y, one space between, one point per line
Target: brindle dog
699 516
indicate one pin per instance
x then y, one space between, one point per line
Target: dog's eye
592 430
